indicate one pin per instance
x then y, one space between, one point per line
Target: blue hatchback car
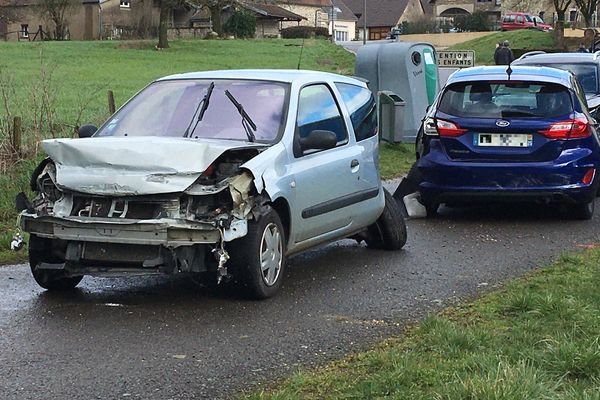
510 134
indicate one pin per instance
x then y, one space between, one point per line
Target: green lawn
537 338
85 70
524 39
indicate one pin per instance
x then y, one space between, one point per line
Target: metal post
364 21
332 22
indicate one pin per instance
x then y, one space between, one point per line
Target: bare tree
587 9
57 11
561 7
163 23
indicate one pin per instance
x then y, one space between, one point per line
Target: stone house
344 22
21 20
453 8
383 15
269 17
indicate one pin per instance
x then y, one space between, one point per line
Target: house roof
314 3
346 14
379 12
23 3
272 11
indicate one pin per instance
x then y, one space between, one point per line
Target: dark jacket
503 56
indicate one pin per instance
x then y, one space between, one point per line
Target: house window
124 4
25 30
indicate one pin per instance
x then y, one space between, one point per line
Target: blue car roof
519 73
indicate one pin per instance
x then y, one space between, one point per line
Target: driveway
171 338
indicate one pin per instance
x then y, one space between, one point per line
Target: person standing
503 54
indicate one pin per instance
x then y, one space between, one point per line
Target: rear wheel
259 257
389 231
584 211
40 251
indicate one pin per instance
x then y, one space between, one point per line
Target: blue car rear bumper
559 180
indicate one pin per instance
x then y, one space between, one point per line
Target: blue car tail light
443 128
576 128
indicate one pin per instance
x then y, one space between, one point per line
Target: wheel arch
282 207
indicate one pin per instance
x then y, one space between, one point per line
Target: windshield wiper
247 123
202 106
517 113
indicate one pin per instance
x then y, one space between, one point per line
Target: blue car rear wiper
247 123
202 105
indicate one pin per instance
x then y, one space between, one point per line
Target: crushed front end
119 234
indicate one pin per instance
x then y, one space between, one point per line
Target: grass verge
395 159
537 338
524 40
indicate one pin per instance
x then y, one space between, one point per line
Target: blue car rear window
501 99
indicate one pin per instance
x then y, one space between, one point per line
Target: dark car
585 66
510 134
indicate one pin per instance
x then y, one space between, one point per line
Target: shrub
477 22
241 24
303 32
421 25
321 32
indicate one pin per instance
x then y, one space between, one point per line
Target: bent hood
126 166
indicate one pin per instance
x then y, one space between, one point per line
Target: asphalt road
170 338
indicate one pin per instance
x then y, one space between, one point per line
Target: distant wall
442 40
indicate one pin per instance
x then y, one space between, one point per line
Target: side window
520 19
317 110
362 109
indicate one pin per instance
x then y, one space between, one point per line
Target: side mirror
86 131
318 140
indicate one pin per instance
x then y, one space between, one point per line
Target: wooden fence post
16 136
111 102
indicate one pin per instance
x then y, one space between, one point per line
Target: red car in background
519 20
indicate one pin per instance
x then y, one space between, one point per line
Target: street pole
364 21
332 22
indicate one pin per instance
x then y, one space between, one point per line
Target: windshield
172 108
506 99
586 75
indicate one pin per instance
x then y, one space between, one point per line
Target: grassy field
537 338
77 75
524 39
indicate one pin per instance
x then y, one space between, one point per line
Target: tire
251 251
584 211
54 280
432 209
389 231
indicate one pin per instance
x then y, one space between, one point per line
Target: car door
323 180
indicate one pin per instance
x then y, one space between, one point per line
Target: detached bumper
164 232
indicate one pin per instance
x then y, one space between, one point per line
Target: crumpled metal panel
126 166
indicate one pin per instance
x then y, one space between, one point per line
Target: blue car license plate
503 139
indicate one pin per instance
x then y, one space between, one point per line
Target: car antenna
300 58
509 71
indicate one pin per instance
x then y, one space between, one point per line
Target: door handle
354 163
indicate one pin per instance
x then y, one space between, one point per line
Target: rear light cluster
571 129
443 128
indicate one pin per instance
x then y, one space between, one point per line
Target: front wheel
259 257
57 280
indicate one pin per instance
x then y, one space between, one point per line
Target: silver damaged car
225 173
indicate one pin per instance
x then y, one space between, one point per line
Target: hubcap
271 254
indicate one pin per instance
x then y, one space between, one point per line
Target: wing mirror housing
86 131
318 140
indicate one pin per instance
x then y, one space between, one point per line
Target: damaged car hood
125 166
